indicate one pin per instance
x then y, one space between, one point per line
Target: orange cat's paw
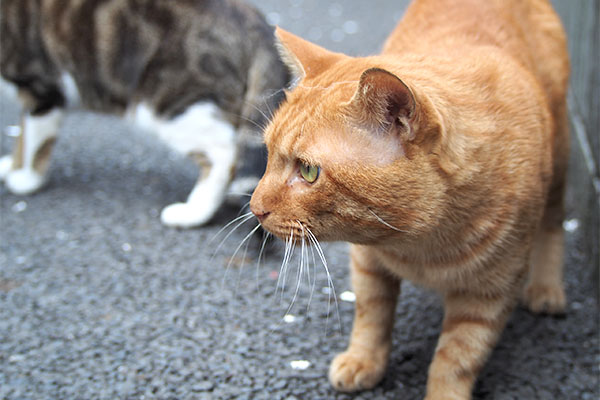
351 372
545 298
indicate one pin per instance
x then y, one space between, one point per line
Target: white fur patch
24 181
36 131
201 129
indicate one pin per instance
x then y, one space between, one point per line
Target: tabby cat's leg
471 328
203 134
209 192
25 171
363 364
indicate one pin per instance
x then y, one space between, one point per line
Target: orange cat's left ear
303 58
385 100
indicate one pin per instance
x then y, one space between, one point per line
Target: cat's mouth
294 232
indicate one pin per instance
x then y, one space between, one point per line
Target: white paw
6 163
24 181
185 215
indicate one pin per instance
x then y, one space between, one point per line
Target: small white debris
19 206
16 358
348 296
571 225
350 27
289 318
12 131
21 260
300 364
126 247
61 235
326 290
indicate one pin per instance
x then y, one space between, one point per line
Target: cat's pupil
309 172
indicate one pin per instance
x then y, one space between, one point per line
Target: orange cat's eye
310 173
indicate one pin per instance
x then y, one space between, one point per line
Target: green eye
309 172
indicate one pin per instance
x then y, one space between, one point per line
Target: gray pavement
99 301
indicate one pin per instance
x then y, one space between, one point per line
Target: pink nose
259 213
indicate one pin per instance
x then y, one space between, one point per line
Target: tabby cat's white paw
185 215
24 181
6 163
351 372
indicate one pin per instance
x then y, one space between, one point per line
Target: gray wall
581 20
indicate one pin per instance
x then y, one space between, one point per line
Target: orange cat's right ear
385 101
303 58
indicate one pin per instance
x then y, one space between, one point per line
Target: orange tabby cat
443 161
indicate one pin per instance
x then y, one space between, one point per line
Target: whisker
248 215
257 109
385 223
286 258
266 236
238 249
298 282
247 204
329 280
237 283
314 282
240 194
260 127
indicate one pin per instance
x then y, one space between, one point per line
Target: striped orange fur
442 160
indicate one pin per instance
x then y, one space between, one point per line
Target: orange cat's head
349 151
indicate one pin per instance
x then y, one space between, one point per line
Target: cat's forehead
309 105
326 138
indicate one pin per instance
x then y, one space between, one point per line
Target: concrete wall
582 22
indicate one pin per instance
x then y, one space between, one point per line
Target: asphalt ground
98 300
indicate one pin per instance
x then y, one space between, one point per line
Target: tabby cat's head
348 159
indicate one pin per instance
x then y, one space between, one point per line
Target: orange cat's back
529 31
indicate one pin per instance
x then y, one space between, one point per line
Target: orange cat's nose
259 212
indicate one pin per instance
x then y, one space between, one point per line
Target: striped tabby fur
170 65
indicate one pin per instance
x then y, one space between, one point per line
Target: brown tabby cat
443 161
200 74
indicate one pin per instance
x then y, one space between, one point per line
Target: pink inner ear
385 99
381 87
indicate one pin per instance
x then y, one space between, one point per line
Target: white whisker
286 258
329 280
314 281
238 249
298 282
240 194
248 216
385 223
266 236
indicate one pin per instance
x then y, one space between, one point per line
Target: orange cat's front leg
363 364
472 325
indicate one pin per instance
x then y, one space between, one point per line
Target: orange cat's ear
303 58
385 101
